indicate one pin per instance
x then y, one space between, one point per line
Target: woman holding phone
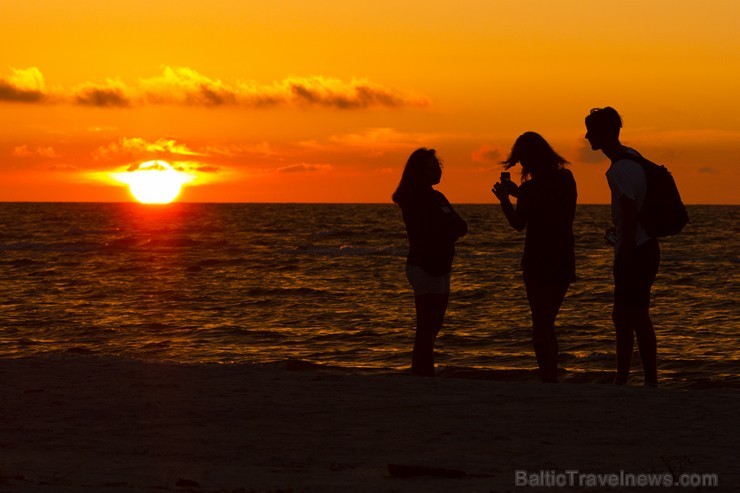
545 207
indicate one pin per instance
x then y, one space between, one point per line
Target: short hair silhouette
415 175
604 120
535 155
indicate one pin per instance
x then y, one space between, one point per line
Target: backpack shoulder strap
637 158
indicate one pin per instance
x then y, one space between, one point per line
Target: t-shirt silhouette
433 227
548 204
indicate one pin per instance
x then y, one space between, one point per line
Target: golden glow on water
307 285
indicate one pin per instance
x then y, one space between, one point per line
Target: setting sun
154 182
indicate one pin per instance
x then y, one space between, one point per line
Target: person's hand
610 235
500 191
512 188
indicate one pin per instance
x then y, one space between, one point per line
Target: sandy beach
76 423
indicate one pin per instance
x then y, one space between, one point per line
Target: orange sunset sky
323 101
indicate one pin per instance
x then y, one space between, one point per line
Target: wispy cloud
22 151
683 137
136 146
43 151
206 168
187 87
305 168
232 150
182 85
101 129
586 155
487 154
150 165
708 170
385 138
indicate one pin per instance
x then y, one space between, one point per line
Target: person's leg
557 295
648 263
439 302
545 300
422 362
625 342
625 292
430 312
647 344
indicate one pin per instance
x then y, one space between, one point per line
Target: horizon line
285 203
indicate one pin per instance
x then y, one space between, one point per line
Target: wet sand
88 424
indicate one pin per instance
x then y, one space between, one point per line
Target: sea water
324 285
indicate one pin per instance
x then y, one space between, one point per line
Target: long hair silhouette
535 155
415 175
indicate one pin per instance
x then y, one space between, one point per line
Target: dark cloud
358 97
102 97
8 92
264 100
211 96
708 170
370 96
208 169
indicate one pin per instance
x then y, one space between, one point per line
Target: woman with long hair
433 227
546 204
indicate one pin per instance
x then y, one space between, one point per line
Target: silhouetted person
637 255
546 204
433 227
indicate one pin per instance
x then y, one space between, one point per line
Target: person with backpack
637 253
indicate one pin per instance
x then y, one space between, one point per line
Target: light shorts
424 283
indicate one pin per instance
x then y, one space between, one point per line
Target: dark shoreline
91 424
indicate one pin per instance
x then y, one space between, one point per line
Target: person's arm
515 215
629 225
455 224
622 181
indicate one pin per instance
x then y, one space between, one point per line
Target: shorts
634 275
424 283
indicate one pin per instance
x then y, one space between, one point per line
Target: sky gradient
323 101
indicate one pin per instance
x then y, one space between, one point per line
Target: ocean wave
351 250
21 262
257 292
227 262
62 247
586 357
334 233
244 283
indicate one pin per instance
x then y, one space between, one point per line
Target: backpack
663 213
